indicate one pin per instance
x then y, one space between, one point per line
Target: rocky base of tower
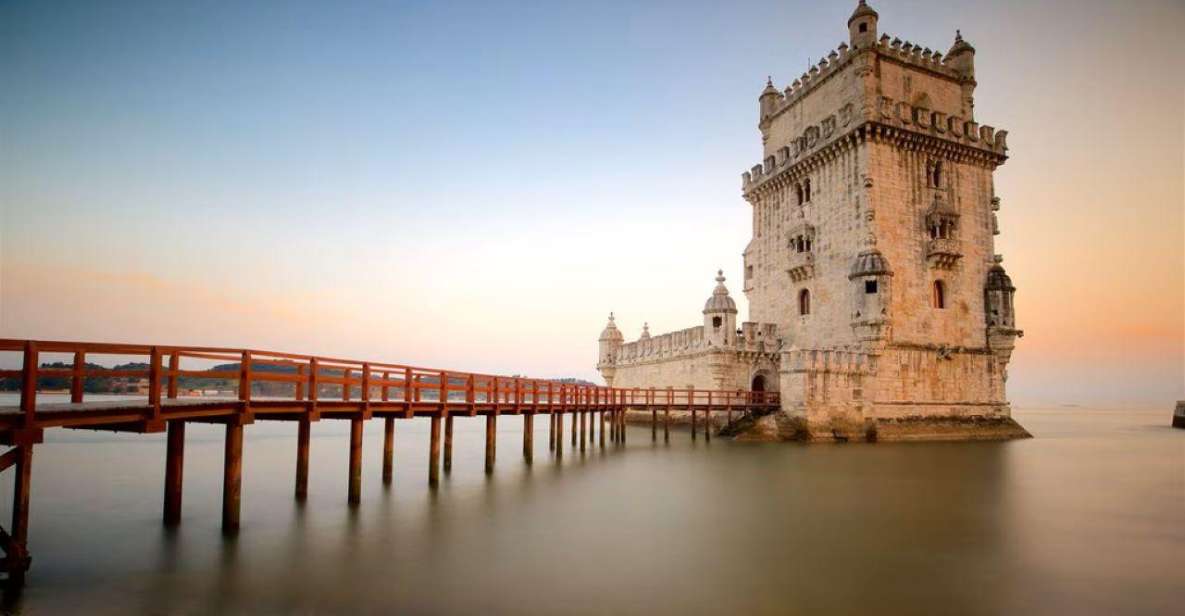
782 426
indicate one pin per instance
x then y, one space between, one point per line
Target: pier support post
529 437
448 444
707 426
491 440
601 430
174 464
666 425
559 435
355 489
550 431
583 426
303 430
434 453
574 420
694 425
232 477
388 450
621 429
16 551
653 425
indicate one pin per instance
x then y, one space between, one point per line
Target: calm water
1089 517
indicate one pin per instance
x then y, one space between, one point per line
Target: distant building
878 307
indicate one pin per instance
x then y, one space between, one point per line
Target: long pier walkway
273 386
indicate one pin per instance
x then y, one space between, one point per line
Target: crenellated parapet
909 126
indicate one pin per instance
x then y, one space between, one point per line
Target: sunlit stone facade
875 294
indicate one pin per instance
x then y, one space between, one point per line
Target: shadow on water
1054 523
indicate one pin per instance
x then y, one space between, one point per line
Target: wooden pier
306 389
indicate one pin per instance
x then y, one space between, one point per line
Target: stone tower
872 250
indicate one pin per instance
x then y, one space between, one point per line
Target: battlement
754 337
897 114
894 48
918 56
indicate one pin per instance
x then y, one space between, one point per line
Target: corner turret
862 26
720 315
609 342
769 98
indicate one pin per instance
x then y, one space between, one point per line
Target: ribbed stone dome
862 9
611 333
720 301
870 263
998 279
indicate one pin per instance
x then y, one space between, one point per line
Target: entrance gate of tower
763 381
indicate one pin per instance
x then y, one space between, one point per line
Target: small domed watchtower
609 342
862 26
720 315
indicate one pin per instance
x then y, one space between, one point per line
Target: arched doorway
758 383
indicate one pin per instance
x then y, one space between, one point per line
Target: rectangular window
870 287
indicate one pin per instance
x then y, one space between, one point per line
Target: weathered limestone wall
899 394
834 219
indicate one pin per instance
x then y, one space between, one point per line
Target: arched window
806 190
804 302
936 174
798 192
939 299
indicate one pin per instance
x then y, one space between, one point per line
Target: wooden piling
16 560
601 428
559 435
583 426
491 441
303 432
653 425
448 444
550 431
232 477
694 426
355 478
574 420
529 437
388 448
434 453
174 464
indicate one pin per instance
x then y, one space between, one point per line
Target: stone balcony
801 265
943 253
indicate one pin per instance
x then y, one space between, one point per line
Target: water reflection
1057 522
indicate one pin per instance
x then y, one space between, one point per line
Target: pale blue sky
476 184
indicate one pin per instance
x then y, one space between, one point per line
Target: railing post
173 377
154 382
366 386
386 388
76 379
708 419
666 415
346 384
550 416
443 390
245 379
29 382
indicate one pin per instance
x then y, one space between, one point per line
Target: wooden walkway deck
303 389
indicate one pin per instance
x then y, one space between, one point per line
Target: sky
475 185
